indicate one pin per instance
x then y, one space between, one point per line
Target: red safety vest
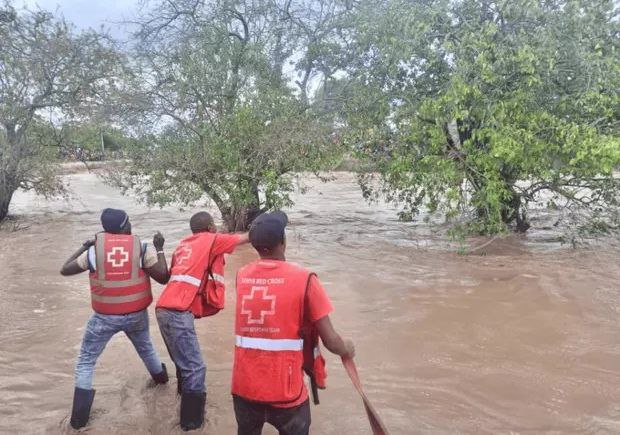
189 263
118 285
269 348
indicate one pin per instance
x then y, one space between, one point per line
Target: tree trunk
239 219
514 211
6 194
8 178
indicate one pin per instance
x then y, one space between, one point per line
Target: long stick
378 428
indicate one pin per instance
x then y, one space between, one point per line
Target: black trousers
252 416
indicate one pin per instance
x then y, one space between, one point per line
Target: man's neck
273 257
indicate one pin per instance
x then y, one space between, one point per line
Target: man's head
202 222
267 234
115 221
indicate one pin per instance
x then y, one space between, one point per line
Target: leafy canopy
477 108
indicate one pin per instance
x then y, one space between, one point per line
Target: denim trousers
177 329
100 329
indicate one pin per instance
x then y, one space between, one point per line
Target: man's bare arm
71 267
243 239
159 271
332 340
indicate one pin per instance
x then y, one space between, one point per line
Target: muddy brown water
524 339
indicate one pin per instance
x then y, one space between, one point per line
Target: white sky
90 13
110 14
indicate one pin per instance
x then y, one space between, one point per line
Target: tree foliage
479 108
46 72
218 77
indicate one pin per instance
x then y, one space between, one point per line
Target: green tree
479 108
87 141
47 73
213 87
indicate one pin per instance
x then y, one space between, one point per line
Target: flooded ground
524 339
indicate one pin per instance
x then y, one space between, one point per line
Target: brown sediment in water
522 339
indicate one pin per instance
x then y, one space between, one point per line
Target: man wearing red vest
198 253
120 270
275 300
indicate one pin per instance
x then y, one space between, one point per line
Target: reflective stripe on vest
269 344
193 280
186 278
218 278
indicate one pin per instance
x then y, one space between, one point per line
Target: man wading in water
197 265
275 299
120 267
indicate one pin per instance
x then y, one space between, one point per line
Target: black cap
113 220
267 230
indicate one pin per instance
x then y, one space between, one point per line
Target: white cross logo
182 254
118 256
258 307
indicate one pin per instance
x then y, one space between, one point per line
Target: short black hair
201 221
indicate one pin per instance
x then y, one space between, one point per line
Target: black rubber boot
82 401
192 410
161 377
179 382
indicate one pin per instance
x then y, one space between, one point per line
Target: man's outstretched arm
243 239
71 266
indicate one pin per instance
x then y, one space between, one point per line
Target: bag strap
207 271
304 303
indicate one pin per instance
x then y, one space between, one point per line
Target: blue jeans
177 329
100 329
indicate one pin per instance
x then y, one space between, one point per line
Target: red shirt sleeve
225 244
318 304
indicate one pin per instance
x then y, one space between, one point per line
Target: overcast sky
90 13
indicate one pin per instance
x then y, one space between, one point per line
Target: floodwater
523 339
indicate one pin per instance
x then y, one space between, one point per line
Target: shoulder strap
90 256
143 248
99 255
304 302
207 271
303 332
92 253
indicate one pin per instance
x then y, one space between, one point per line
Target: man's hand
88 243
158 241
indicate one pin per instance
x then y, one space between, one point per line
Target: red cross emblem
117 256
182 254
257 305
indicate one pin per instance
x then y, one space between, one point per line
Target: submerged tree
214 80
487 106
46 71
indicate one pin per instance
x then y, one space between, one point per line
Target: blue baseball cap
267 230
113 220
